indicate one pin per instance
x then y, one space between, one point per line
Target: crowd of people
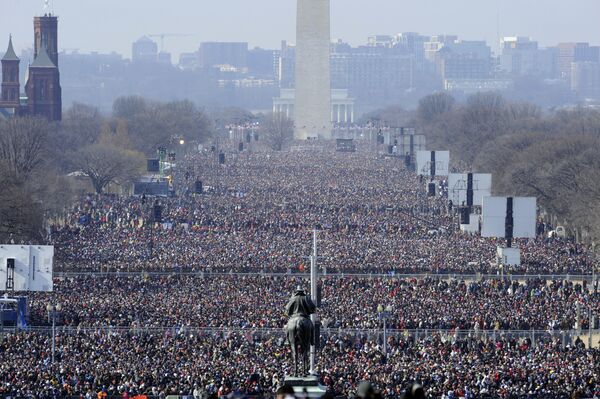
346 302
202 365
258 210
210 323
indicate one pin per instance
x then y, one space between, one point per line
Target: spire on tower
43 59
10 88
10 52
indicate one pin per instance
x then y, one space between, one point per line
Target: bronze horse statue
300 329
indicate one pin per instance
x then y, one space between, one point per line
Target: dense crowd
348 303
257 212
215 333
222 364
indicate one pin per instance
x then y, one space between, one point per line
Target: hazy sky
105 25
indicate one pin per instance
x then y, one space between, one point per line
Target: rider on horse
300 304
300 329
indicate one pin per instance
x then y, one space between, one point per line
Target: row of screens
498 213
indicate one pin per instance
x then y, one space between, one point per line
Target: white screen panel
33 267
403 147
524 214
457 188
508 256
41 268
442 161
494 217
21 255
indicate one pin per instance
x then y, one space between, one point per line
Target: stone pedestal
308 387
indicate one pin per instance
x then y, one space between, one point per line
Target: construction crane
163 35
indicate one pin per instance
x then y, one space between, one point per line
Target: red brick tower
44 97
10 89
43 83
46 33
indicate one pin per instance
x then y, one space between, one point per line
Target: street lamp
181 141
594 277
383 314
53 313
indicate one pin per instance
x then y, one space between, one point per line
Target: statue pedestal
308 387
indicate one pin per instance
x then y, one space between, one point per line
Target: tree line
37 157
552 155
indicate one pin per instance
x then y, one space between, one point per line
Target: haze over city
299 199
111 25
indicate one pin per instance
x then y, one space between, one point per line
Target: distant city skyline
113 25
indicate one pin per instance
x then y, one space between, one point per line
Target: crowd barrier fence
564 337
442 276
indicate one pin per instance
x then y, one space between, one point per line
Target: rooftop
10 52
43 60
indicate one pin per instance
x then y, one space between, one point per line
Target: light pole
594 287
53 313
314 277
591 325
593 248
383 314
148 212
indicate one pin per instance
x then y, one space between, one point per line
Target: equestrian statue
300 330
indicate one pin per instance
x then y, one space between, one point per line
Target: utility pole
385 336
578 324
592 322
384 313
53 312
53 338
313 294
594 281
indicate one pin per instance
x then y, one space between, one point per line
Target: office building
521 56
585 78
212 54
144 50
569 53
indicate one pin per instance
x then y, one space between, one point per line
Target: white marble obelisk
313 82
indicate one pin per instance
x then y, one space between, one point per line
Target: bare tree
518 111
392 116
128 107
579 120
22 144
484 117
105 164
434 105
555 158
81 123
232 115
21 218
51 190
278 131
153 124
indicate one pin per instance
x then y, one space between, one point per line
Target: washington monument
313 81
